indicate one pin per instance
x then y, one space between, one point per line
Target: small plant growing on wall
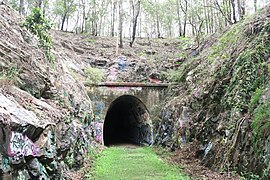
9 76
37 24
94 75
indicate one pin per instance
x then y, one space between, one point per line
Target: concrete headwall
103 96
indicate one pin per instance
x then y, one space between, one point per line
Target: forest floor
129 162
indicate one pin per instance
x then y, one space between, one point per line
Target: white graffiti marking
21 145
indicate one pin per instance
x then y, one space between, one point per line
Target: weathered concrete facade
139 103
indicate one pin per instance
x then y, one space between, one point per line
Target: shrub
94 75
38 25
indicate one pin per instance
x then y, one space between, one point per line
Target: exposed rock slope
45 113
223 100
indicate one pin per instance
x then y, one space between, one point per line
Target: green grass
133 163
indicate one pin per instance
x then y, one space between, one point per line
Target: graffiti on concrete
125 88
99 107
20 145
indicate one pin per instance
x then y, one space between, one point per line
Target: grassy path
142 163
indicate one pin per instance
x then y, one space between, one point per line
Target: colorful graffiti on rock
20 145
98 131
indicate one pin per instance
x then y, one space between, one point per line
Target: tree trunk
45 5
239 9
255 5
233 11
226 12
157 20
63 21
67 19
206 17
100 26
131 22
185 20
135 22
113 17
94 19
178 18
83 16
140 26
117 23
121 24
212 24
21 7
158 29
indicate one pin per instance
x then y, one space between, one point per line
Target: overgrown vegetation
225 84
255 99
94 75
261 122
40 26
93 154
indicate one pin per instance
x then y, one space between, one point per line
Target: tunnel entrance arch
127 121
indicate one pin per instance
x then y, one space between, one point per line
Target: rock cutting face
127 121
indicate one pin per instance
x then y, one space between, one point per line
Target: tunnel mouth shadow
127 122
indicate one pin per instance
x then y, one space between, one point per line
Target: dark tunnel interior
127 122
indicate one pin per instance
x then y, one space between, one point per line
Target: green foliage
261 122
174 75
182 55
38 25
247 76
185 43
255 99
266 171
250 176
91 40
68 119
261 130
94 75
92 155
64 8
130 163
222 48
14 4
248 73
10 75
180 74
69 159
